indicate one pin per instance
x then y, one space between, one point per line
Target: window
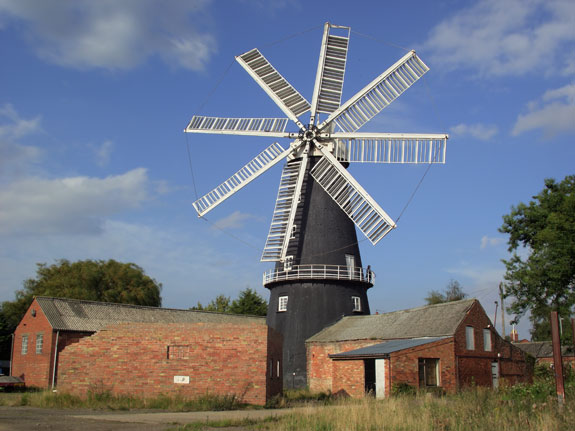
278 369
288 263
293 231
350 261
469 338
487 340
271 367
282 303
39 343
356 303
24 344
428 372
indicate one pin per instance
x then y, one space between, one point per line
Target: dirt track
31 418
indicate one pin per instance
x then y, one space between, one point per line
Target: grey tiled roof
429 321
387 347
91 316
543 349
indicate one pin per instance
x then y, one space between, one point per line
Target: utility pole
502 310
557 359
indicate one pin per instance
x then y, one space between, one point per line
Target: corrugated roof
430 321
386 347
91 316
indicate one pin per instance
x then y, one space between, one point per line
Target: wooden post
557 360
502 311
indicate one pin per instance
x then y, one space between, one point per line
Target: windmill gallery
318 286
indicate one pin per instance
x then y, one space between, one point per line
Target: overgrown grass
475 409
104 400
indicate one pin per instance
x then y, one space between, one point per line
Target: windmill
318 275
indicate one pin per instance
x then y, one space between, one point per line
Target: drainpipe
55 360
11 354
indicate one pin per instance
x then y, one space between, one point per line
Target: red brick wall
349 377
474 366
320 366
34 368
132 358
405 364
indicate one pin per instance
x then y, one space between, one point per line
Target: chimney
514 335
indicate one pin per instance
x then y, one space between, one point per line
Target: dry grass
472 410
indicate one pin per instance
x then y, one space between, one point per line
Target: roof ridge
145 307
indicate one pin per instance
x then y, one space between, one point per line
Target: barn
77 346
441 347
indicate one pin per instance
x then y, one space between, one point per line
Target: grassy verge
105 400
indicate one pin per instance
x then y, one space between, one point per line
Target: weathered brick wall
348 377
320 366
143 359
34 368
405 364
474 366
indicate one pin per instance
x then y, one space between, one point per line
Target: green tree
453 292
248 302
96 280
221 305
540 274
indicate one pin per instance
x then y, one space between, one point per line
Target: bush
403 389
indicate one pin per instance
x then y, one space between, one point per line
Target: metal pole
11 354
502 311
55 359
557 360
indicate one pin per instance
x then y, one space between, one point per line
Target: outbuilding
79 346
439 347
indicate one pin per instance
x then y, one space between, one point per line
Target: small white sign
182 379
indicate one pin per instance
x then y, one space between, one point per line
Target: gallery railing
320 272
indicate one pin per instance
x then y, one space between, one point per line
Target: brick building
446 346
542 351
77 346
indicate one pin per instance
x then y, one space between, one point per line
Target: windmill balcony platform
320 272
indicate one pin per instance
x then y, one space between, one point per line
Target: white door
380 378
495 374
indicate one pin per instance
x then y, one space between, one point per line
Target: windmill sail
359 206
330 71
283 94
383 90
284 211
257 166
390 148
271 127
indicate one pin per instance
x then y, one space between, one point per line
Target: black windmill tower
318 275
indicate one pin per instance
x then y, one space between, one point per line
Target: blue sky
94 97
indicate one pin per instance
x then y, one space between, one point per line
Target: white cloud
103 152
554 113
506 37
235 220
483 132
490 242
75 205
15 156
115 34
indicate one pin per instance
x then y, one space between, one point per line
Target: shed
445 346
76 346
